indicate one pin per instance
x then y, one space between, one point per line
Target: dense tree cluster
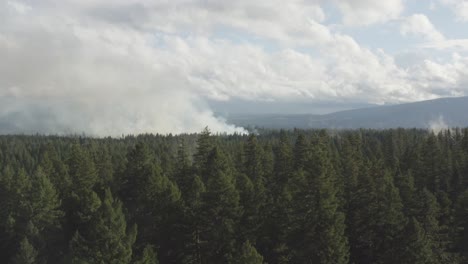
302 196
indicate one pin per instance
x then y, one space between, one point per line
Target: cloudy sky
112 67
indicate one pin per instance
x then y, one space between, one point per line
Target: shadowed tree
417 248
220 212
26 253
106 239
320 211
148 256
248 255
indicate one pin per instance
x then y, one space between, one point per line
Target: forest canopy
299 196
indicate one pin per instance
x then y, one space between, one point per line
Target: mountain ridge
449 112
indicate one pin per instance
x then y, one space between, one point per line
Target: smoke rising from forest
112 116
60 75
437 125
120 67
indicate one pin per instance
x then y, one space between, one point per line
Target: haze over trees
302 196
434 114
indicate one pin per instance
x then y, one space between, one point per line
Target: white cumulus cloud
366 12
420 25
113 67
459 8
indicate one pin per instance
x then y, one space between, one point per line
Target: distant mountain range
438 113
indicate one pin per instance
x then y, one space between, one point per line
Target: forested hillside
364 196
443 112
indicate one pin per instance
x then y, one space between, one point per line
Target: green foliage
204 148
26 254
192 222
148 256
317 212
248 255
220 211
106 239
461 222
82 170
253 161
387 219
302 196
56 170
45 202
417 248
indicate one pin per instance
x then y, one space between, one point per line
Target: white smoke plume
438 125
112 67
60 74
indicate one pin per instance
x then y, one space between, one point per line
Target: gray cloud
113 67
100 80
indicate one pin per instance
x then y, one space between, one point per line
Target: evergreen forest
297 196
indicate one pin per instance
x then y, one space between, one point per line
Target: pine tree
82 203
301 152
275 231
26 254
315 210
428 212
15 207
204 148
301 212
376 218
352 165
249 255
252 190
6 206
105 171
45 202
56 170
387 219
359 218
183 174
250 220
253 163
160 205
148 256
400 192
14 210
154 202
325 219
417 248
138 171
221 212
278 170
461 226
283 164
46 217
82 170
405 184
192 224
106 239
431 170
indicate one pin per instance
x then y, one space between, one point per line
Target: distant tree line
301 196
